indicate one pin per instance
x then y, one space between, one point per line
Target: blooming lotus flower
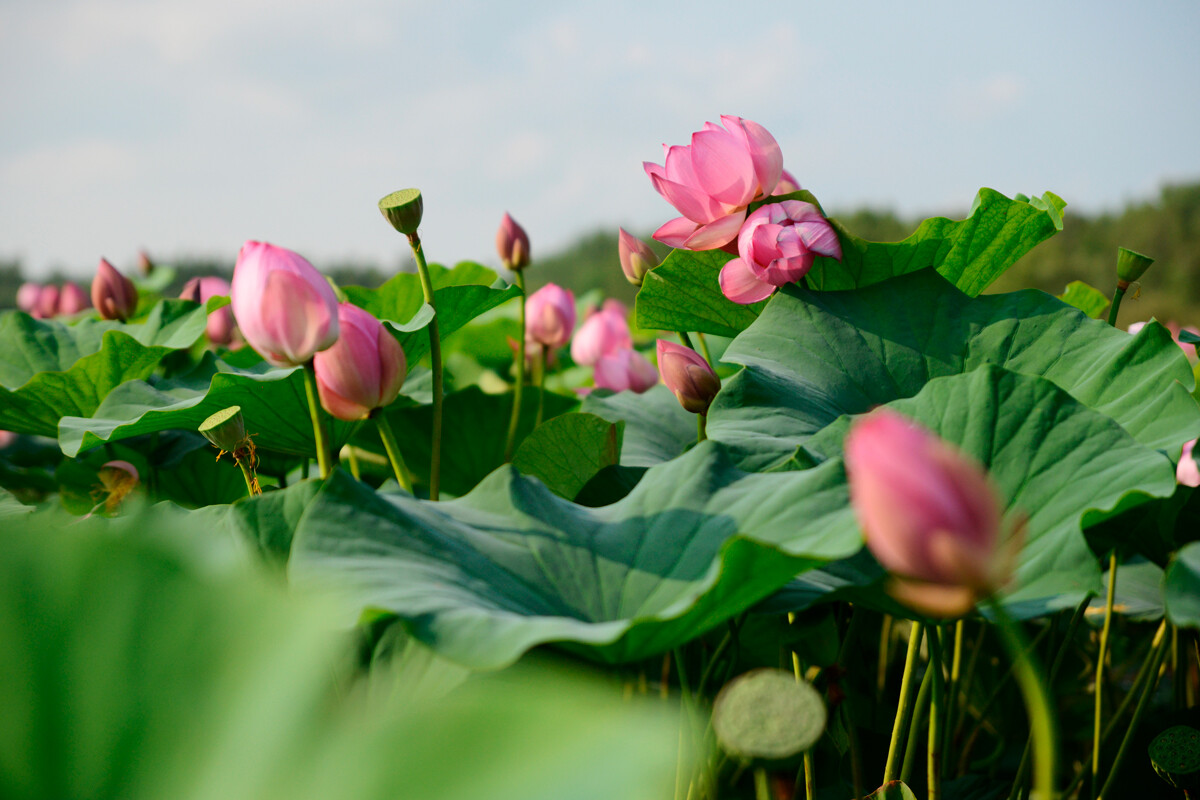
220 322
512 243
636 257
363 370
625 369
712 181
113 295
688 376
27 296
604 333
72 299
1187 472
550 316
777 245
285 308
46 306
929 514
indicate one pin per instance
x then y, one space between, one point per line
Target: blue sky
187 128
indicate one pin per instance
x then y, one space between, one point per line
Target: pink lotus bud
7 438
777 245
27 296
550 316
113 295
636 257
688 375
512 243
929 514
285 308
220 322
363 370
47 302
144 263
1187 472
72 299
625 369
602 334
712 181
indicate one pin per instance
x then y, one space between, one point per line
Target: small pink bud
929 514
363 370
777 245
47 302
7 438
550 316
285 308
1187 472
636 257
688 376
220 322
512 243
72 299
27 296
625 369
602 334
113 295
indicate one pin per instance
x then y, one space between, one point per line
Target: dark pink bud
113 295
636 257
512 243
688 376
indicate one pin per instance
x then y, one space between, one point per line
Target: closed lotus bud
929 515
27 296
626 369
777 245
636 257
363 370
1187 472
226 429
220 322
550 316
604 333
512 243
688 376
403 210
118 478
144 263
113 295
47 302
72 299
1131 265
284 307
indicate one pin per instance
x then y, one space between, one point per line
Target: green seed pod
403 209
768 715
226 429
1131 265
1175 754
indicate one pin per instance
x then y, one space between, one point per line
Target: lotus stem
510 440
1118 294
1156 661
1098 719
435 357
251 480
918 720
936 702
314 408
906 700
393 450
701 427
543 357
704 349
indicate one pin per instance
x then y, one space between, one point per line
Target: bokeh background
186 128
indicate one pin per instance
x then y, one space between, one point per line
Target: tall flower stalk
512 243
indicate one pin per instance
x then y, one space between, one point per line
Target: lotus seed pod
403 209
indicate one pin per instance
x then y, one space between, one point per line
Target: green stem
701 427
914 730
314 410
885 642
251 482
704 349
687 340
393 450
1116 302
762 791
936 703
543 357
952 687
352 457
435 357
905 707
1037 700
810 776
1143 701
1098 718
510 441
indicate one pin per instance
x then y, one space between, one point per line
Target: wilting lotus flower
27 296
550 316
777 245
1187 472
929 515
636 257
118 479
72 299
46 306
625 369
363 370
113 295
712 181
512 243
688 376
604 333
220 322
285 308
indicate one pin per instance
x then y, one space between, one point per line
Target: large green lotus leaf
461 295
273 403
566 452
683 293
49 370
484 578
814 356
134 672
657 428
1058 464
1181 587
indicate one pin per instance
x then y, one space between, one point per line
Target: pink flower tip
688 376
550 316
1187 472
113 294
512 244
363 370
636 257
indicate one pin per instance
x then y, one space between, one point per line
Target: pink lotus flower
27 296
7 438
688 376
285 308
712 181
512 243
1187 472
929 515
550 316
787 184
636 257
46 306
220 322
604 333
777 245
363 370
72 299
113 295
625 369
